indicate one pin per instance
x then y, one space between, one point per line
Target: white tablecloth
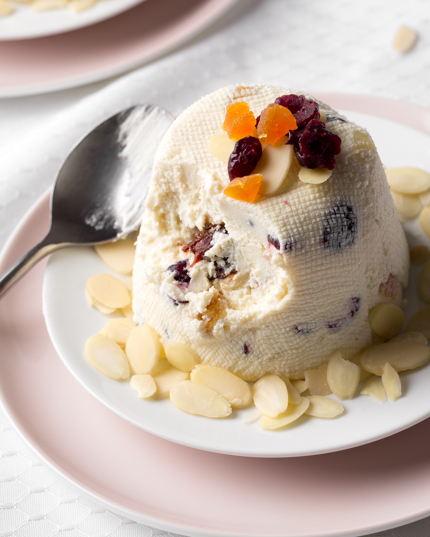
339 45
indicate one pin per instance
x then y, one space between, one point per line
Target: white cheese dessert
273 286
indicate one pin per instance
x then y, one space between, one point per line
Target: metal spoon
100 190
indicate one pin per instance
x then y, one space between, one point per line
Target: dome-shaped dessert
276 285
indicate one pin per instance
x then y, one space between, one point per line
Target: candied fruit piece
244 188
239 121
244 158
275 122
302 109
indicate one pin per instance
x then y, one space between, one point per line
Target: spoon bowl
100 190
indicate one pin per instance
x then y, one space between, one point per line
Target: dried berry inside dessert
275 121
244 188
302 109
239 121
315 146
244 158
340 226
202 242
180 271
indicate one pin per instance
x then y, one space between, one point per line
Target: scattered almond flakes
405 39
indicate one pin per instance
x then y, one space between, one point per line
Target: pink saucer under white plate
102 50
179 489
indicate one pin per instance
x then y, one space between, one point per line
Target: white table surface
338 45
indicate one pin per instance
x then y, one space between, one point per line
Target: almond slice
221 146
408 180
342 376
391 381
143 349
323 407
402 355
197 399
410 336
107 357
94 304
316 380
374 389
5 8
180 355
143 385
294 397
165 380
425 221
314 176
270 395
386 320
292 413
300 385
405 39
108 291
420 322
233 389
118 329
408 206
119 255
274 166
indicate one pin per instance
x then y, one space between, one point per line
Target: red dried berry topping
302 109
244 158
315 146
180 272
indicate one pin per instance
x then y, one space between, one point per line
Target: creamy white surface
280 304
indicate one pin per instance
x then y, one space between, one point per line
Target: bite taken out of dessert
269 265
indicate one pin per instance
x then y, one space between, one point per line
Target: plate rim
140 517
218 9
82 24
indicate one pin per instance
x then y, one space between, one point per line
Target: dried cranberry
180 271
244 158
339 226
354 304
315 146
247 348
302 109
202 242
274 242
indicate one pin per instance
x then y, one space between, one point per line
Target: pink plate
175 488
104 49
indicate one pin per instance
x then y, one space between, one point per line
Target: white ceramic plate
71 321
27 24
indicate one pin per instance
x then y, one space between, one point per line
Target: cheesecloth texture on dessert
288 279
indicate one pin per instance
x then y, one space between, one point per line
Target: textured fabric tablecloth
340 45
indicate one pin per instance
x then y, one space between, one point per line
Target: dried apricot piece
275 122
239 121
244 188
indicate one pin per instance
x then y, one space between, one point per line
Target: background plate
27 24
103 50
71 321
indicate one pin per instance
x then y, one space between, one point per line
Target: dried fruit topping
315 146
202 242
340 226
302 109
239 120
244 158
244 188
180 271
275 122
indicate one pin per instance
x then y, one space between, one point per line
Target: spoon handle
27 261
